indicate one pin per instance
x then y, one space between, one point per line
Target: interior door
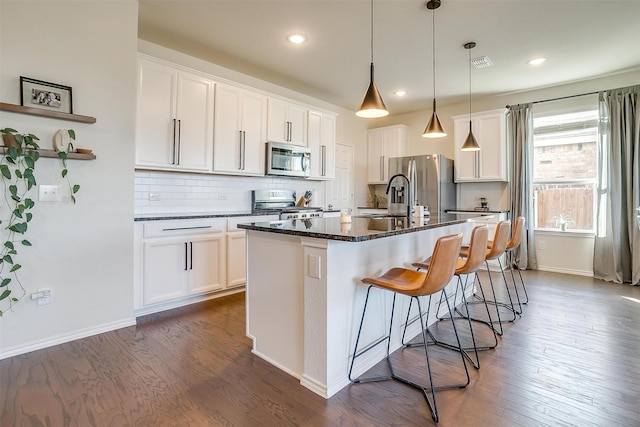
340 190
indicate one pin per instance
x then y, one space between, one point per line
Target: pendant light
372 105
434 129
470 144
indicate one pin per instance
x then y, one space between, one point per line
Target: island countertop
360 228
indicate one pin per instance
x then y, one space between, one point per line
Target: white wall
83 251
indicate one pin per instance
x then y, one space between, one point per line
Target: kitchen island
305 297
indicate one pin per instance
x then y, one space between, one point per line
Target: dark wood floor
573 359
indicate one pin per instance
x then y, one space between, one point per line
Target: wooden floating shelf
54 154
46 113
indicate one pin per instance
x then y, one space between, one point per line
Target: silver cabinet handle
289 131
381 168
323 149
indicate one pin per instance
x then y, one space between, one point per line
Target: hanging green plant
17 165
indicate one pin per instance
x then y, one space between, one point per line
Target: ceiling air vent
482 62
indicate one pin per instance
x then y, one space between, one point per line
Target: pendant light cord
433 41
470 87
371 27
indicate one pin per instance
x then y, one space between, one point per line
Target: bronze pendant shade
434 128
372 104
470 144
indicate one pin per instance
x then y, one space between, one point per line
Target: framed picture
48 96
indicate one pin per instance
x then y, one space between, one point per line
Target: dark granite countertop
359 230
169 216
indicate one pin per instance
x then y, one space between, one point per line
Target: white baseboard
566 271
276 364
60 339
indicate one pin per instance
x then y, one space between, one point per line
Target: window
565 170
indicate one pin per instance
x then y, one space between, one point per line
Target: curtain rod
561 98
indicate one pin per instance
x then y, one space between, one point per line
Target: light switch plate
314 267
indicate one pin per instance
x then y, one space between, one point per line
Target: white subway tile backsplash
198 193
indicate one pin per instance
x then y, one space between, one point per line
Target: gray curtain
616 255
520 140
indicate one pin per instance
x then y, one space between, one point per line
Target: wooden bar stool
468 267
494 251
415 284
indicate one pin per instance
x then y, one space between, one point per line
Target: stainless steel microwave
287 160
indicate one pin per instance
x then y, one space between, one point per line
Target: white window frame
589 135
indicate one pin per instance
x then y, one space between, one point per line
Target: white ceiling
582 39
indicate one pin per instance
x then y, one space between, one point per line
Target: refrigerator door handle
413 177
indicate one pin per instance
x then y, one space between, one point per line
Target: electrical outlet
222 196
154 197
47 296
49 193
541 244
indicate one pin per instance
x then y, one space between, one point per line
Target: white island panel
305 299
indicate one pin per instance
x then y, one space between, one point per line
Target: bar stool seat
415 284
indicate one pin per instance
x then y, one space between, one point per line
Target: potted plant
17 167
563 221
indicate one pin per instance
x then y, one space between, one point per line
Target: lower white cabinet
180 266
237 250
177 259
178 262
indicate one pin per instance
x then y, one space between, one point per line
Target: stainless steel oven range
283 203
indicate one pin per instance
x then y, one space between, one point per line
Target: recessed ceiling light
297 38
400 92
536 61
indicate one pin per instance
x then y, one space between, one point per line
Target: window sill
568 233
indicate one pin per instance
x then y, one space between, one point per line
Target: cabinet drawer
184 227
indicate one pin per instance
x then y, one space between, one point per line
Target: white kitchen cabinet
490 163
236 248
321 140
286 122
383 144
174 127
240 131
180 258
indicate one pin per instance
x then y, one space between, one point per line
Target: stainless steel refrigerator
431 180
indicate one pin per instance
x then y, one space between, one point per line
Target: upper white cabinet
321 140
286 122
490 163
174 128
384 143
240 131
